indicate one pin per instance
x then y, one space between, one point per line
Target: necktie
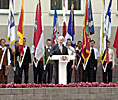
60 48
107 56
93 54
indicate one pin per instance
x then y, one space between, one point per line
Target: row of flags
38 41
67 33
88 29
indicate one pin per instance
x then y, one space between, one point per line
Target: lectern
63 60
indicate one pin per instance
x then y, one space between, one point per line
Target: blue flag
11 28
90 19
71 28
55 28
108 21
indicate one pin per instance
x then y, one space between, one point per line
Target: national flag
90 18
38 42
11 28
102 51
55 28
86 43
64 19
108 20
71 27
115 45
20 30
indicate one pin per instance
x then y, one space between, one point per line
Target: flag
115 45
102 50
90 19
55 28
38 42
86 43
71 27
20 30
64 19
108 20
11 28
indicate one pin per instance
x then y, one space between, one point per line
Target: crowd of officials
41 76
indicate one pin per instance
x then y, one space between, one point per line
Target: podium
63 61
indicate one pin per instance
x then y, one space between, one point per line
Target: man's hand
94 68
30 65
73 66
8 66
112 68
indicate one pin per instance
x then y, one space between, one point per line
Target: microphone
52 52
73 51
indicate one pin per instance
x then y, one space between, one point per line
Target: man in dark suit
24 62
90 73
71 63
58 49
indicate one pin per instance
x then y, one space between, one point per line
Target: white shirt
96 53
71 50
111 55
49 48
8 55
79 49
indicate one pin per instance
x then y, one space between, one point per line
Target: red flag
38 42
35 28
86 42
64 20
20 31
115 45
117 53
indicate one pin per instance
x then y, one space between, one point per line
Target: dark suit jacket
27 57
56 51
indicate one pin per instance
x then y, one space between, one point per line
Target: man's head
48 42
79 44
92 43
60 40
69 42
24 41
107 44
16 43
2 41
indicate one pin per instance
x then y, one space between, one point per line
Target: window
117 5
4 4
78 6
58 4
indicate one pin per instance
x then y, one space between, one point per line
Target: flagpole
72 17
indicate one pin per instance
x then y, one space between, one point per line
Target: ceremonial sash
20 63
78 63
2 58
35 62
